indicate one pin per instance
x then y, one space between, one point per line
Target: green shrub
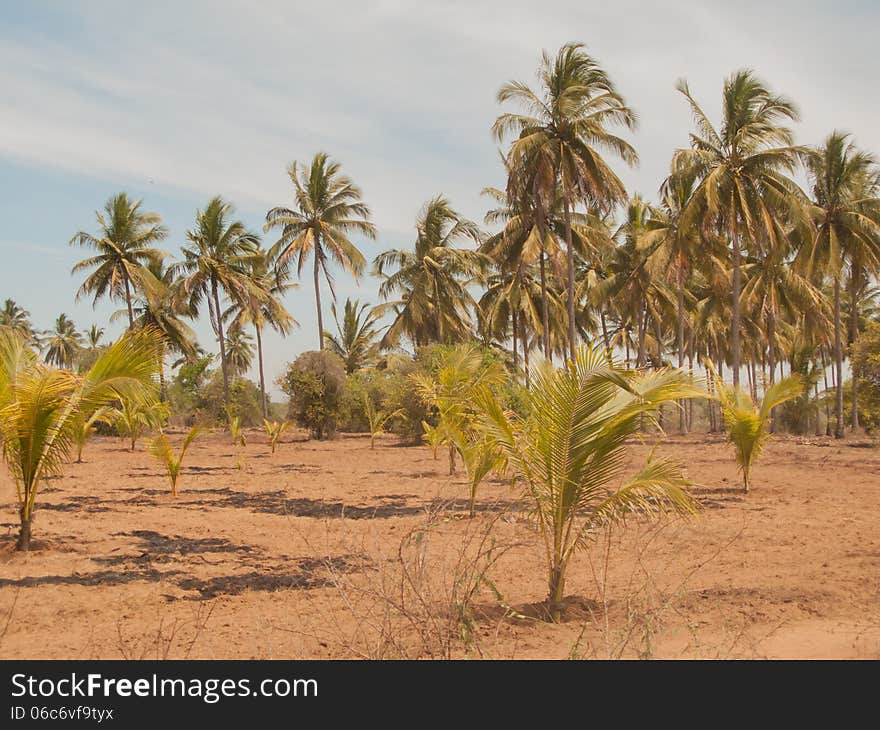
315 383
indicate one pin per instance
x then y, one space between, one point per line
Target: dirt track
299 555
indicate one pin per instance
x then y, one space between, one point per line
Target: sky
177 102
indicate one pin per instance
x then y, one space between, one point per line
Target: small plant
481 457
433 437
134 417
748 422
377 419
38 407
570 452
274 429
236 432
238 439
84 429
160 447
461 372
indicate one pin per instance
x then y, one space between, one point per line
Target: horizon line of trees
732 263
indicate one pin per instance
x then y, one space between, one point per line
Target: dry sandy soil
330 549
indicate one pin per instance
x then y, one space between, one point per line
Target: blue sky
177 102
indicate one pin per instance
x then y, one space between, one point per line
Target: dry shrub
171 638
419 602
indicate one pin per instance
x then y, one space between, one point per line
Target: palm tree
162 307
63 343
357 332
265 307
748 422
743 188
126 241
569 452
433 279
634 277
218 258
774 292
16 319
94 335
39 407
239 351
846 213
559 136
328 207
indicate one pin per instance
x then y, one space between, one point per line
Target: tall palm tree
328 207
679 247
264 307
559 138
63 343
16 319
125 243
742 168
217 258
433 279
356 342
162 307
846 212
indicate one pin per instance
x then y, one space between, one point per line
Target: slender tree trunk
545 310
514 319
128 301
605 331
838 360
710 388
318 300
24 532
163 389
526 348
679 344
264 406
735 318
641 326
223 366
571 323
825 379
771 356
690 401
854 335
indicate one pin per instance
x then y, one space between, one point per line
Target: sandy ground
331 549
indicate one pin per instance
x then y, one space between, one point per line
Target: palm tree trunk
24 532
854 335
525 346
735 317
825 379
219 316
641 326
771 357
570 252
838 360
545 310
318 299
682 416
128 301
515 353
263 405
605 331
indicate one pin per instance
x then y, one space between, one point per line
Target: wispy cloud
214 97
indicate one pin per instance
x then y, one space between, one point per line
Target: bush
196 396
315 383
866 364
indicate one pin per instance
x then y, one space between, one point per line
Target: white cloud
220 96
